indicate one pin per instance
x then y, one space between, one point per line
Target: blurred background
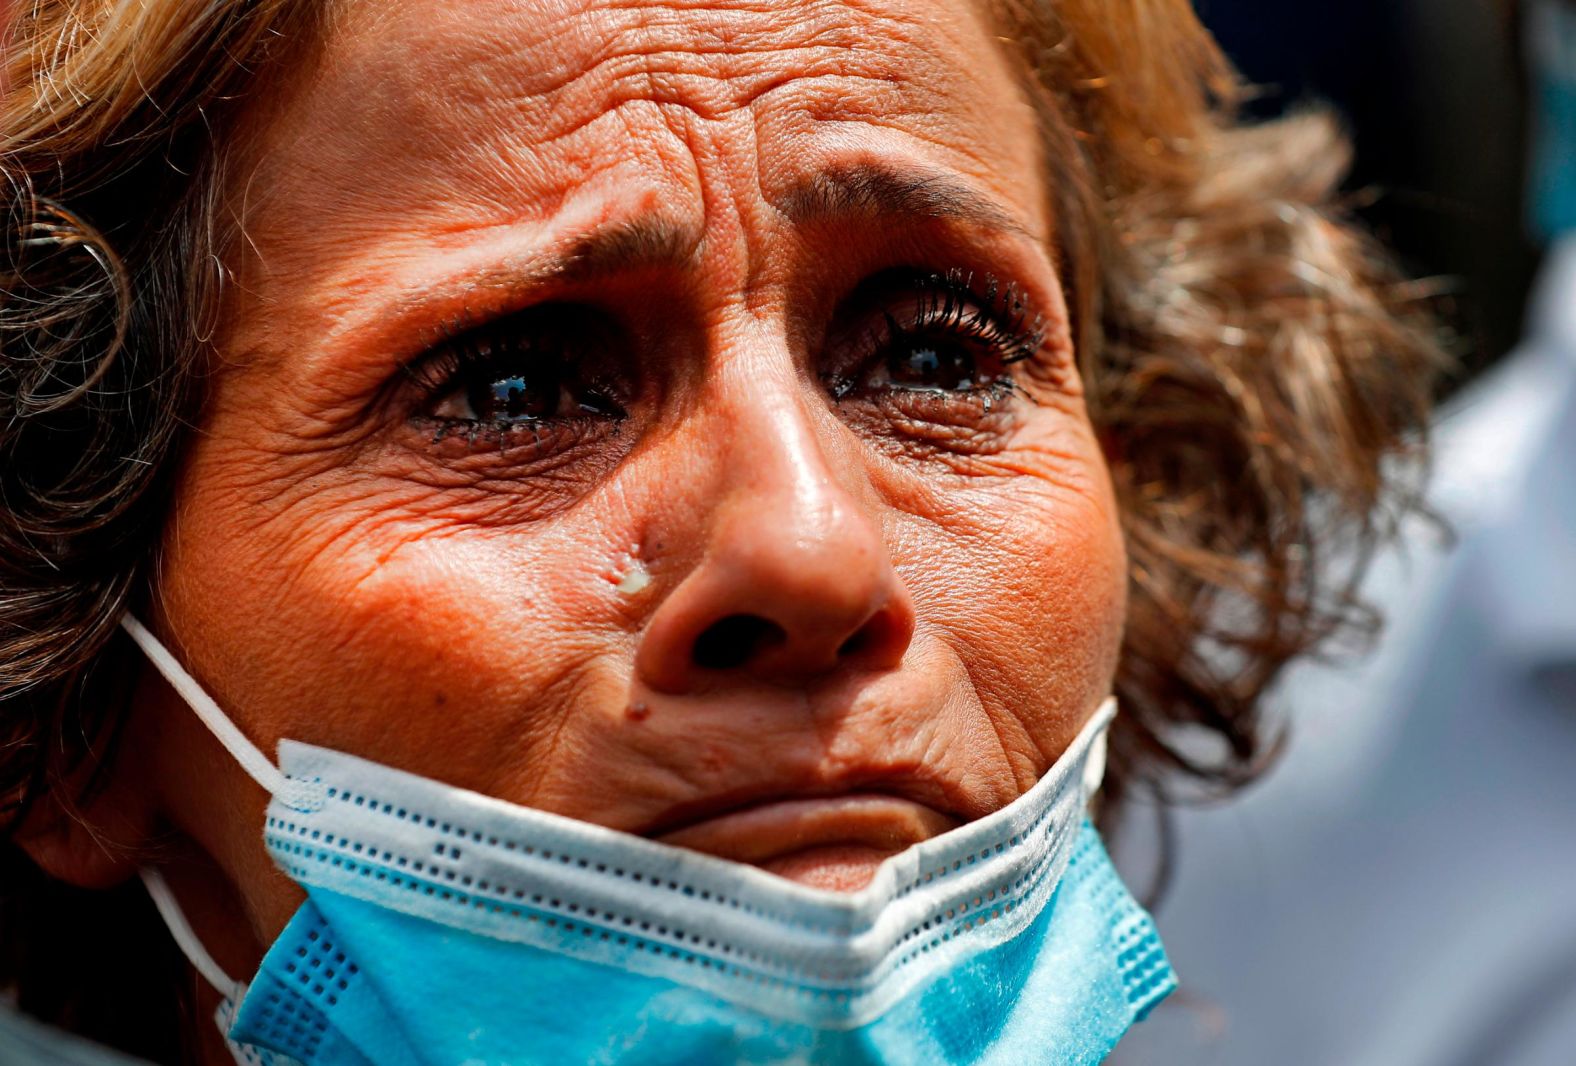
1435 96
1401 889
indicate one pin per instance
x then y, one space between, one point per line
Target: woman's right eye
520 394
543 367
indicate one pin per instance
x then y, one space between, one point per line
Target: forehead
472 113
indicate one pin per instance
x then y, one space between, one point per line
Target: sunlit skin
918 571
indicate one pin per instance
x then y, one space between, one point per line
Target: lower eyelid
947 404
517 442
921 433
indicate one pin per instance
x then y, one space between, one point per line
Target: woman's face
660 414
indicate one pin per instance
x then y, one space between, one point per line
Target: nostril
854 644
735 640
876 642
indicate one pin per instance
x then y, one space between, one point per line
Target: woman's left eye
939 362
934 333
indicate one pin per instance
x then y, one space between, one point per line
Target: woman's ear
91 837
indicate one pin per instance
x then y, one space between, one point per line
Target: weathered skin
337 575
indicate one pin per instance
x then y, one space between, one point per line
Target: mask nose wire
186 938
297 795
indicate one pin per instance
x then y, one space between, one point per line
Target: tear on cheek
628 574
636 579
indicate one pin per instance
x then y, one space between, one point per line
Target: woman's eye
934 333
544 366
523 394
944 363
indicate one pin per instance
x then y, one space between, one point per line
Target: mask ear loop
295 794
1094 766
1094 761
298 795
186 937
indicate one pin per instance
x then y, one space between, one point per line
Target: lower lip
831 842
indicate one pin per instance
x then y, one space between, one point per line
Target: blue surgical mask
448 928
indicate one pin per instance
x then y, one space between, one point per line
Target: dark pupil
936 364
515 396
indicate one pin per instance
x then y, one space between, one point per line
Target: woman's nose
794 579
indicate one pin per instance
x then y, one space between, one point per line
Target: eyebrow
882 190
654 240
650 241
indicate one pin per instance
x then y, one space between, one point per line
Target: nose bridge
794 578
784 475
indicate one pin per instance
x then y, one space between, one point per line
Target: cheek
372 618
1021 568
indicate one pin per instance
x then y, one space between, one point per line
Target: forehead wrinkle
515 160
511 95
543 69
711 56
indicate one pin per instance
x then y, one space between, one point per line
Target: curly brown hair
1259 368
1253 362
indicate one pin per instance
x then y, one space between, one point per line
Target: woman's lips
833 842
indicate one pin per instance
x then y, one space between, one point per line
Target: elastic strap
1094 762
298 795
185 937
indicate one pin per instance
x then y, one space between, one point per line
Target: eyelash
1000 316
966 307
537 339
